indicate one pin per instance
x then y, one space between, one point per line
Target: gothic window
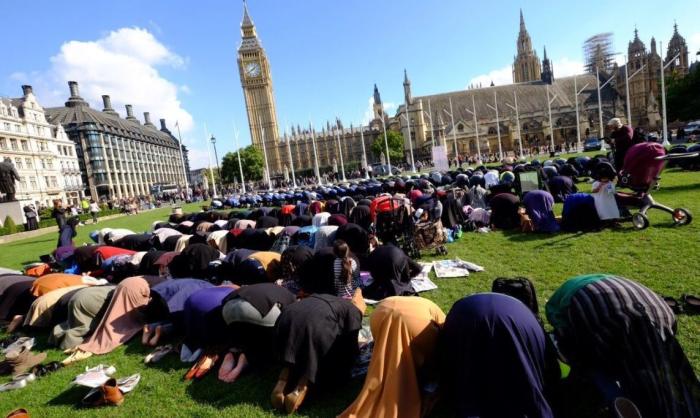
18 163
492 131
29 162
25 145
460 128
13 144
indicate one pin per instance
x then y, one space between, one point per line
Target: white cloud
693 46
389 108
565 67
499 77
124 64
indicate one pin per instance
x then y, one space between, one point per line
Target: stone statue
8 177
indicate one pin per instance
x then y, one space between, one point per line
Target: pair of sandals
159 353
202 367
232 367
690 304
44 369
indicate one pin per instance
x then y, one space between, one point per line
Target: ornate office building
644 69
45 158
119 157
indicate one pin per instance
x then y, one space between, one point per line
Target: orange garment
405 330
53 281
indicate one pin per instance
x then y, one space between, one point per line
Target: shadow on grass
545 240
71 396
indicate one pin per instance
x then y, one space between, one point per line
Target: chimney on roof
107 103
73 86
27 89
130 114
75 100
147 119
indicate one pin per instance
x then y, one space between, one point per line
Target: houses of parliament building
448 118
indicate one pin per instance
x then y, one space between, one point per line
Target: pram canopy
642 167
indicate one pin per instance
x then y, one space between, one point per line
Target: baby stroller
393 223
640 172
428 230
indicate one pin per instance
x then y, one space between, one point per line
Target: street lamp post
267 165
211 172
498 125
364 153
291 159
432 132
454 128
240 165
216 155
600 104
410 143
517 121
476 128
313 142
340 151
627 88
386 145
663 95
577 92
182 160
551 127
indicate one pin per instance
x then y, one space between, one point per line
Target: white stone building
43 155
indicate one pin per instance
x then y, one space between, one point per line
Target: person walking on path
94 210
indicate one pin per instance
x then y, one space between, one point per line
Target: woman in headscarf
316 339
164 311
320 219
391 271
85 309
337 219
265 222
324 236
302 220
621 335
16 300
561 187
41 311
539 205
218 240
53 281
122 320
293 264
579 213
203 325
360 215
405 331
250 314
356 237
193 261
270 262
504 211
492 352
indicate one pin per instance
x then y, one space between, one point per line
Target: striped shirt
344 289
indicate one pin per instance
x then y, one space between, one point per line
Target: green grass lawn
663 257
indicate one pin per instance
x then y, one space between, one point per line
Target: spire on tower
407 88
522 21
545 53
247 21
675 27
377 97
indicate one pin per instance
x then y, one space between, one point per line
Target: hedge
48 221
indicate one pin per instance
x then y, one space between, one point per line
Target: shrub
9 225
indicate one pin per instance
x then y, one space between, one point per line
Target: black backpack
520 288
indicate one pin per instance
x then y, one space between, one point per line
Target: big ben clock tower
256 80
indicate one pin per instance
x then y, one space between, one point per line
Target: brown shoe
18 413
18 362
295 398
277 396
107 394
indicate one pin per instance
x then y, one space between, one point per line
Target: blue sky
177 59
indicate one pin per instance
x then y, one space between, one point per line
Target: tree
395 141
9 225
251 160
682 99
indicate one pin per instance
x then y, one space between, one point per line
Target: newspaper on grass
422 282
455 268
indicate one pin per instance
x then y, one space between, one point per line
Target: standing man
621 136
59 213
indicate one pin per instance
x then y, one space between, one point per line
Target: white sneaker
15 384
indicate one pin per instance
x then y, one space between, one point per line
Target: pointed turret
407 88
247 25
377 97
526 66
547 70
522 21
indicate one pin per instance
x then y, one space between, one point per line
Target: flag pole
291 160
182 160
240 165
313 142
267 166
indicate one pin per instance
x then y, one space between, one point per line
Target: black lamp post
216 155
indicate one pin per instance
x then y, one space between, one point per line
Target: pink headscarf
122 320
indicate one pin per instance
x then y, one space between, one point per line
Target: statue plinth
13 210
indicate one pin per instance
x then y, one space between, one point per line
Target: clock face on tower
251 69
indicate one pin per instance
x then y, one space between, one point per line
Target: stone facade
644 86
526 65
42 153
119 157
